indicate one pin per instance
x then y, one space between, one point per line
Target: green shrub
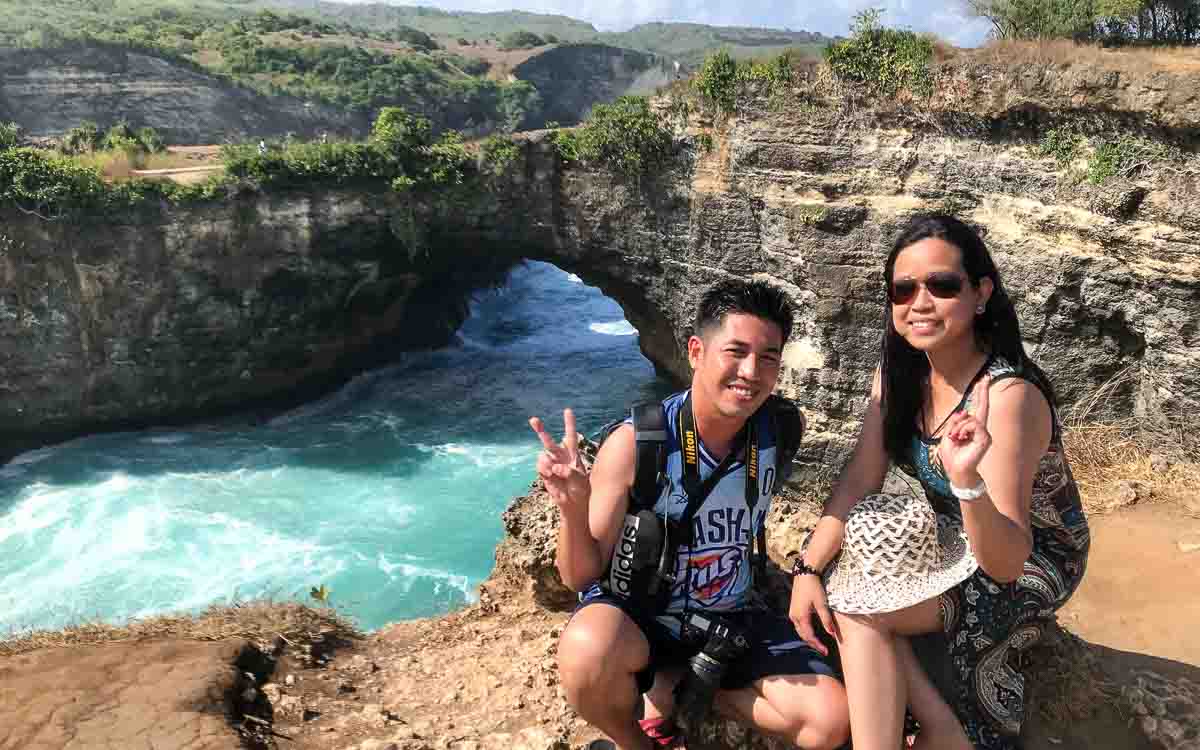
550 39
566 142
10 135
307 163
81 139
625 135
447 162
717 81
120 137
498 153
151 141
415 38
1124 156
54 186
1064 143
397 131
705 141
520 40
886 60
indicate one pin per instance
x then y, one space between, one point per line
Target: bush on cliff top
401 152
886 60
720 77
625 135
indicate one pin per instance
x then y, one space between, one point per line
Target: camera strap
697 491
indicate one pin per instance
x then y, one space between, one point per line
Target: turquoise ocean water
388 491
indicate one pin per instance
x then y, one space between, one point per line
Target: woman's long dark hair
904 368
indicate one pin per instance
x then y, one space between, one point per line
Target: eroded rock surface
132 696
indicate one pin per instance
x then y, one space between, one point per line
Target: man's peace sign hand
561 467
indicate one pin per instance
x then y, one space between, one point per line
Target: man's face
735 367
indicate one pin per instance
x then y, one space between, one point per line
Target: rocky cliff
202 307
48 91
571 78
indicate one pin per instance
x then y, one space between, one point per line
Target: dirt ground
486 677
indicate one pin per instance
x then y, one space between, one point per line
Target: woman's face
933 301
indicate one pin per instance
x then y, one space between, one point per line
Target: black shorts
775 649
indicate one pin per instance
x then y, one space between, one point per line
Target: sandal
661 730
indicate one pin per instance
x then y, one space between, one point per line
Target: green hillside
686 42
453 67
308 56
444 23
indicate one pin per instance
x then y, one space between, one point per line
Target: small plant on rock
1064 143
1124 157
498 153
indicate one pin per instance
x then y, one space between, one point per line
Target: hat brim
852 591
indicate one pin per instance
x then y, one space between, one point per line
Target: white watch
974 493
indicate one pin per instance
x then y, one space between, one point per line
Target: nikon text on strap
697 491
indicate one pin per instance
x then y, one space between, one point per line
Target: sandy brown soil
486 677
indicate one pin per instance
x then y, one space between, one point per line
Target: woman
957 405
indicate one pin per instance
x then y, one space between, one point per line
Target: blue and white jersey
720 570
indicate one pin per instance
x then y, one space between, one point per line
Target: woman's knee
822 722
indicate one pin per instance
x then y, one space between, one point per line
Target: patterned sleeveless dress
987 621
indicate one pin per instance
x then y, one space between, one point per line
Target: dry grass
1156 459
260 621
120 165
1066 52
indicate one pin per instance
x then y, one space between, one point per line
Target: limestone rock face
574 77
110 325
50 91
261 301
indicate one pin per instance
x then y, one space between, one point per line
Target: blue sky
945 17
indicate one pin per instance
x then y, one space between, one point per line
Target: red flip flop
661 730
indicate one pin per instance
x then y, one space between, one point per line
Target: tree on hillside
415 38
521 40
1119 21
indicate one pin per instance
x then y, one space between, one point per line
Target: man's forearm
578 554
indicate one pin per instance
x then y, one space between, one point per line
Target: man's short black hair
755 298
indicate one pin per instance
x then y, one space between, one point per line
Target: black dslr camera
724 643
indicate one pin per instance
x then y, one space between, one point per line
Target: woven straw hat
897 552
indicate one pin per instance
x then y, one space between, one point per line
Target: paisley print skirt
987 622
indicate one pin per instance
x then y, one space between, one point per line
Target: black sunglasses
943 285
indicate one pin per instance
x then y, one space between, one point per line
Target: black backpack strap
788 426
789 433
650 434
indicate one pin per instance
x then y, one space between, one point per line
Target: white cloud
944 17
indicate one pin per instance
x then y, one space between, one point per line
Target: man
611 653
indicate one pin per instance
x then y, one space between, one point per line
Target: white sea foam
33 457
614 328
168 438
407 575
574 279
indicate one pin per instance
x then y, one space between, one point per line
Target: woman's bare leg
940 729
876 688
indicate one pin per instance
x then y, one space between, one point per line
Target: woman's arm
1019 422
862 475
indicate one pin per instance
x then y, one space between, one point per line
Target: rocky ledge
483 678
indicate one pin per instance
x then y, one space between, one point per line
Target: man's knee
581 662
595 653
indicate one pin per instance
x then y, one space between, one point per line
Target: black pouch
636 572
